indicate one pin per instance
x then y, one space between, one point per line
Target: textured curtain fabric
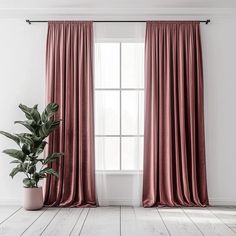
69 81
174 143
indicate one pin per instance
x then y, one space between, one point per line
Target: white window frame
120 89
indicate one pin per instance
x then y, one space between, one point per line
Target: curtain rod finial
208 21
28 21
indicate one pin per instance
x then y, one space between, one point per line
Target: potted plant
31 145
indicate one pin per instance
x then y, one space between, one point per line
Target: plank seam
220 220
163 221
33 222
76 221
50 222
10 215
84 222
192 221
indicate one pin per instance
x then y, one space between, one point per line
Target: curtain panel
174 142
69 82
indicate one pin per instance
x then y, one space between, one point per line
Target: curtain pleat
174 142
69 83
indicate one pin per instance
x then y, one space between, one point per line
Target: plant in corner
27 158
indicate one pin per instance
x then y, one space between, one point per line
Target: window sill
118 172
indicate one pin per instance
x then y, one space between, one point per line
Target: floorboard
137 221
208 223
225 214
18 222
234 229
102 221
118 221
41 223
63 223
178 223
7 211
80 222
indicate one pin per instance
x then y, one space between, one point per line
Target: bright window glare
132 65
132 152
107 153
132 112
107 112
119 105
107 67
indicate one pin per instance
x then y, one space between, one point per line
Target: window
119 104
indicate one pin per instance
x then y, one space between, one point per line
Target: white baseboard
120 202
222 202
128 202
12 202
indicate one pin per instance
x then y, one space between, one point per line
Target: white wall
219 53
22 54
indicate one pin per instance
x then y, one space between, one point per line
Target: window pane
132 112
107 112
107 153
132 153
107 65
132 65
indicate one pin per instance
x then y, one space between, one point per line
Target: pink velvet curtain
69 82
174 143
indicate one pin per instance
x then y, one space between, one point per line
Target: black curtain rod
104 21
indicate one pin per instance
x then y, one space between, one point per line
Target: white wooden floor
116 221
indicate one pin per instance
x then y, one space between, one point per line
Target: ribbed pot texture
32 198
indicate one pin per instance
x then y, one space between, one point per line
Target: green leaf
11 136
27 124
31 169
16 162
49 111
26 110
29 183
26 149
48 127
42 176
16 170
49 171
37 143
36 177
35 115
15 154
23 167
53 157
36 139
31 113
26 138
41 160
41 147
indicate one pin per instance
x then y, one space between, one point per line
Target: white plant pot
32 198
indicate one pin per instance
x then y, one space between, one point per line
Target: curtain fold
69 82
174 142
